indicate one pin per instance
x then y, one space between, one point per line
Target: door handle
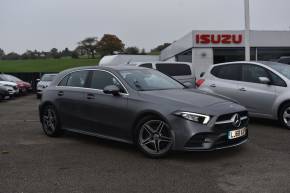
243 89
90 96
60 93
213 85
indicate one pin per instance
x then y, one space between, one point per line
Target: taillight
199 82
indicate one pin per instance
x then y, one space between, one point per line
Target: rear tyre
284 115
1 97
50 121
154 137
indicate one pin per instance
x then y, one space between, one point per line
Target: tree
66 52
89 45
2 53
110 44
143 52
160 47
54 53
75 55
131 50
11 56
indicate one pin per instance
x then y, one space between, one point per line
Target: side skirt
98 135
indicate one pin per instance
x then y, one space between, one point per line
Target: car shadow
265 122
194 156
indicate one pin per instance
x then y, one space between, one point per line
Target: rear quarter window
146 65
174 69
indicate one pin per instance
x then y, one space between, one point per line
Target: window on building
228 54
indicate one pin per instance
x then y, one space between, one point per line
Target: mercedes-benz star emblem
236 120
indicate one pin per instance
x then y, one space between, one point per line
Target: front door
257 97
106 114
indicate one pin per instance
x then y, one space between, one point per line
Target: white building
204 48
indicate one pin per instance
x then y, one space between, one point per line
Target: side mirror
264 80
189 85
112 89
202 74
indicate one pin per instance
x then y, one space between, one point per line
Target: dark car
23 86
4 92
140 106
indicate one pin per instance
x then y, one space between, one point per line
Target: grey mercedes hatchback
140 106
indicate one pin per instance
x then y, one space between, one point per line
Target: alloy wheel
286 116
49 120
155 137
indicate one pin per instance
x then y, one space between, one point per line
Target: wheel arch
44 104
281 106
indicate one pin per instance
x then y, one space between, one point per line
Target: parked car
181 71
22 85
284 60
3 92
140 106
11 86
262 87
43 83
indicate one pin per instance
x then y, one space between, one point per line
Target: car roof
119 67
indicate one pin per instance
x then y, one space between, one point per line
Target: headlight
195 117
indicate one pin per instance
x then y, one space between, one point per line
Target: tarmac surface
32 162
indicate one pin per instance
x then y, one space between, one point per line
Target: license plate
237 133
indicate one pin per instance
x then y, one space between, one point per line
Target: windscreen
147 79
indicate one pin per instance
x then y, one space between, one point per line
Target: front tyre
154 137
50 121
284 115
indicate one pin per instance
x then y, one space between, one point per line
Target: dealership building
204 48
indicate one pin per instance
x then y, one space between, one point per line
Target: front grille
230 115
224 141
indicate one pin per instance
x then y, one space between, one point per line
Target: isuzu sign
218 38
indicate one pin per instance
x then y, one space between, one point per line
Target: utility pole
247 30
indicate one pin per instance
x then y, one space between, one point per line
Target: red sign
218 38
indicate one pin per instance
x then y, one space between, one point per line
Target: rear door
70 96
224 80
182 72
254 95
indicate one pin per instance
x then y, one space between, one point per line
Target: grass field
44 65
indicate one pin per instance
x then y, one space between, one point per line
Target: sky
45 24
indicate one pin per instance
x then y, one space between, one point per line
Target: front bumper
191 136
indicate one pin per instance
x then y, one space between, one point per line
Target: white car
11 87
181 71
43 83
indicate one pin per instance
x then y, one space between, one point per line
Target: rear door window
77 79
174 69
228 72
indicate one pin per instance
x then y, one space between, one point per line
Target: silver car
262 87
44 82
